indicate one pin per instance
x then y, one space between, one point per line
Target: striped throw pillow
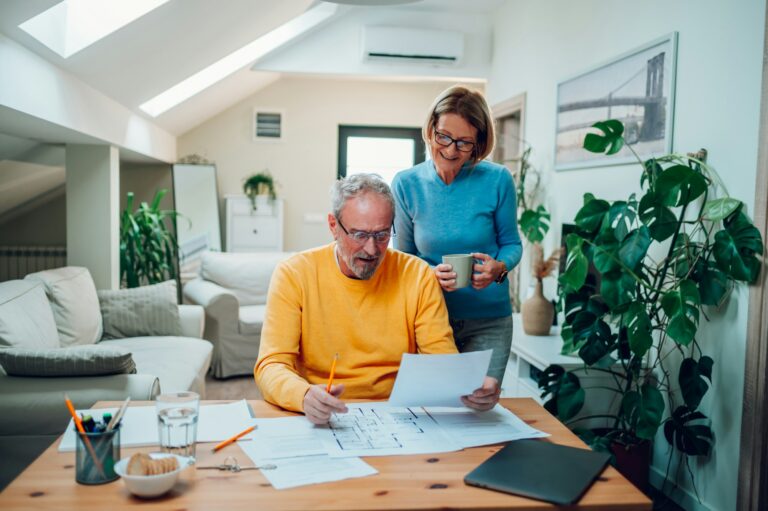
140 311
86 360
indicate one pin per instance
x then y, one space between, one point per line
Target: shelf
540 351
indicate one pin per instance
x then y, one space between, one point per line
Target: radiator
17 261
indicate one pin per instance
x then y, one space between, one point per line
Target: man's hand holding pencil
321 401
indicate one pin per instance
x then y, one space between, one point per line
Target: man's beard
359 264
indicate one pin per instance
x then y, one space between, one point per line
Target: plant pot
537 313
634 462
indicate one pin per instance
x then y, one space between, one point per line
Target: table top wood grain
415 482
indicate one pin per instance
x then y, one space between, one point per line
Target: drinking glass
177 415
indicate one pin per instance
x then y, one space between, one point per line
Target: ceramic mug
462 265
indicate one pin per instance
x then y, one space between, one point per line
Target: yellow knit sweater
314 311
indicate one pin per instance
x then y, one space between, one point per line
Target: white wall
537 44
305 164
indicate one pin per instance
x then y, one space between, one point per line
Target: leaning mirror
197 202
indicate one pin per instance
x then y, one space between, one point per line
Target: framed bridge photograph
636 88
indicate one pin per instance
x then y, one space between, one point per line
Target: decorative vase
537 313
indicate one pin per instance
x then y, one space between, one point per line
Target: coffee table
416 482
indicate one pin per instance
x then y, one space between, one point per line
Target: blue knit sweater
475 213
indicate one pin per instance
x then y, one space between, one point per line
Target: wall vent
268 124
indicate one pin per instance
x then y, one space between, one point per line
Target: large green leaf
634 247
576 264
643 411
679 185
692 381
617 288
638 326
713 283
605 255
592 335
659 219
682 308
564 390
534 224
610 142
736 248
689 431
622 216
720 209
591 215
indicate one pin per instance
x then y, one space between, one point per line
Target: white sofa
32 410
232 287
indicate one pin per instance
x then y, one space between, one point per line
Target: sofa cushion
26 319
140 311
251 319
72 361
75 306
247 275
180 362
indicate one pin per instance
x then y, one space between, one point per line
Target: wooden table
433 481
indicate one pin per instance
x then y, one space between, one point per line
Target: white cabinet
254 230
531 354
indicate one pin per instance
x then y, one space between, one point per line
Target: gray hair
358 184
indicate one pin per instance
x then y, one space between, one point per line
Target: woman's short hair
471 106
346 188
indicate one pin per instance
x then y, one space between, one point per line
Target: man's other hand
319 404
485 397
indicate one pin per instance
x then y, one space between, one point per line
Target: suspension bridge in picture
638 128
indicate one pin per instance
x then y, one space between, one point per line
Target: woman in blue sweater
454 203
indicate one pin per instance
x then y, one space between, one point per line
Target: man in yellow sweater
357 298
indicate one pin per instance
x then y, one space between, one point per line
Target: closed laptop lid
540 470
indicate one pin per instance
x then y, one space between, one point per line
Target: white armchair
232 287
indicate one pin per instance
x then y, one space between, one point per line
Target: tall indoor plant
637 275
148 247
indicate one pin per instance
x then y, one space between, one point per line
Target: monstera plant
638 278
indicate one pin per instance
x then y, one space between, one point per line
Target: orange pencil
81 429
233 439
333 370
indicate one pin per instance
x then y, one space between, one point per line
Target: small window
267 125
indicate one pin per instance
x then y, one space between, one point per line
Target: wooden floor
240 387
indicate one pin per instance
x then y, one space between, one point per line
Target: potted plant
658 260
259 184
148 248
537 312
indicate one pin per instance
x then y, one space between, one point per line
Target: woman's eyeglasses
363 236
445 140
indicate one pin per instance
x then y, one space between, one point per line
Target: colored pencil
81 429
333 371
228 441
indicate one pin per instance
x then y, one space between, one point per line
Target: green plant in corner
148 248
533 217
261 183
660 260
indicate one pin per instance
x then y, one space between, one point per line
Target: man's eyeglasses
363 236
445 140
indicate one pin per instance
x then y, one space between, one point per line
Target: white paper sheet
284 437
379 429
292 472
439 380
139 424
470 428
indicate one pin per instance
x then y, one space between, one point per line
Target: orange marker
333 371
233 439
81 429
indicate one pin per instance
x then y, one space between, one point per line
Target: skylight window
72 25
238 59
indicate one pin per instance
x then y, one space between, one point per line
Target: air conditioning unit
400 44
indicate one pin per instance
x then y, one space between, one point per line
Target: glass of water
177 414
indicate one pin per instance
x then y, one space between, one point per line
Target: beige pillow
72 361
75 306
26 319
141 311
246 275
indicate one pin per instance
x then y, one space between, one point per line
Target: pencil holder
96 455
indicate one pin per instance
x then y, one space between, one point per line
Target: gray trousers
483 334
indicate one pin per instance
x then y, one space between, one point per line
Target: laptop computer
540 470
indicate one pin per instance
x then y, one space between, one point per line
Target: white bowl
151 486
